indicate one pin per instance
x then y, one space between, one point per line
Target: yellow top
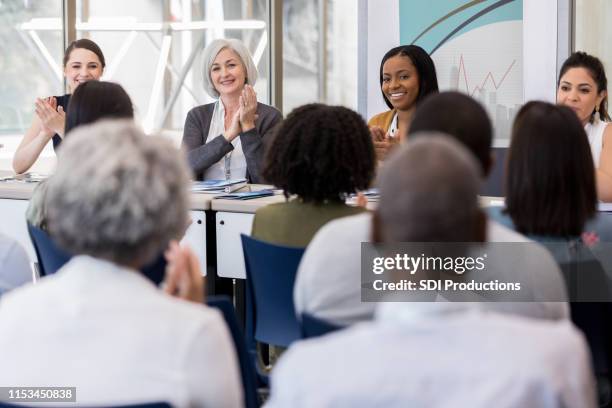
382 120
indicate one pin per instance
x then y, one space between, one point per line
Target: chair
51 258
314 327
247 370
270 313
143 405
270 273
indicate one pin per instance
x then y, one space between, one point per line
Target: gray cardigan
202 155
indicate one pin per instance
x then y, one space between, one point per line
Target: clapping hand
234 129
248 108
383 143
183 275
52 117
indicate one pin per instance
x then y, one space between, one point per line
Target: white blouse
595 133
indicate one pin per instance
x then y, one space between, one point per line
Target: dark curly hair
321 153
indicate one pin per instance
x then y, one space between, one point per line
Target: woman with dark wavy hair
583 87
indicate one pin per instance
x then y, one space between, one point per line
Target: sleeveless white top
595 133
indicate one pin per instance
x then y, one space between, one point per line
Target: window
31 51
319 52
153 49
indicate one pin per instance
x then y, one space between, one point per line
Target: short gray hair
429 191
214 48
117 194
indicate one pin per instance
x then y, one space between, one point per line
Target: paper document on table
211 186
247 195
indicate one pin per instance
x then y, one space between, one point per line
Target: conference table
214 233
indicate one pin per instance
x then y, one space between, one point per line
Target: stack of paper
247 195
217 186
371 194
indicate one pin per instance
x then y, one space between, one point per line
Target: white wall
540 30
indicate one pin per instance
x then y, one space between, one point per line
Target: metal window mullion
68 26
565 30
322 77
275 41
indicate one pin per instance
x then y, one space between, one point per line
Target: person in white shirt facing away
117 199
327 283
14 265
436 354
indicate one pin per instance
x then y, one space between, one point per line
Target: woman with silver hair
116 200
224 139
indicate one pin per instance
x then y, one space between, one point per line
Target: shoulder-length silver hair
117 194
214 48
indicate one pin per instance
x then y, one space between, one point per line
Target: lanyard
227 165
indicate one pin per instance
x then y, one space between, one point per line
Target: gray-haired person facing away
440 354
117 199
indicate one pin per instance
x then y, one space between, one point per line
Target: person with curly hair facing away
320 154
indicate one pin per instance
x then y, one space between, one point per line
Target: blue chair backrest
270 273
247 369
50 256
68 404
314 327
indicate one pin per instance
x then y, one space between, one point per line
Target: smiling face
227 73
578 91
82 66
400 82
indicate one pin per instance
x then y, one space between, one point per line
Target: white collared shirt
438 355
113 335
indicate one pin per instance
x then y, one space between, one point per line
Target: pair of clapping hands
244 118
383 143
52 117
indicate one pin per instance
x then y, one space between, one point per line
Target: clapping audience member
117 199
583 87
83 62
327 282
225 139
436 354
407 77
320 154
